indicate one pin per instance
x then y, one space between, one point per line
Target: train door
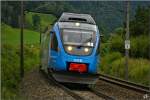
45 51
53 50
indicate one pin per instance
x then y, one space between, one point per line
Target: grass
114 64
12 35
140 45
10 61
113 60
46 19
11 68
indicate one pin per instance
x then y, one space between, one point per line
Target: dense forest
110 18
108 15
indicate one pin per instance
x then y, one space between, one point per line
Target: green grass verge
10 39
114 64
12 35
10 69
10 61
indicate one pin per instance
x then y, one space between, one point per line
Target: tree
10 13
36 22
140 25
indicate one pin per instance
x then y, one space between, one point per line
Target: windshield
78 42
78 37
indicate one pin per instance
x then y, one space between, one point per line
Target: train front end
77 57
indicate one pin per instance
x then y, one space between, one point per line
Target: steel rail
70 92
125 84
67 90
96 92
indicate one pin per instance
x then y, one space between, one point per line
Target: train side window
54 42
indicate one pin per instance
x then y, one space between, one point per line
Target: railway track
79 94
95 93
106 97
50 79
125 84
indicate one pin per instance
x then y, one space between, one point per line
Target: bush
117 44
104 49
139 69
106 61
11 67
140 46
10 72
118 68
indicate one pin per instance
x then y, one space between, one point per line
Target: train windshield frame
78 41
78 37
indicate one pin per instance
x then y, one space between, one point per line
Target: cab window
54 42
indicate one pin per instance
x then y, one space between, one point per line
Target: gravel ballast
118 92
35 87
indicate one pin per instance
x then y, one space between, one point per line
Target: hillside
10 62
45 20
108 15
30 35
11 35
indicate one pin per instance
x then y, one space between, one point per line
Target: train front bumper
69 77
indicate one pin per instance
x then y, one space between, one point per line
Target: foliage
140 24
114 65
45 20
10 72
10 55
140 46
106 61
112 51
108 15
10 13
119 31
117 43
10 68
105 48
36 22
139 70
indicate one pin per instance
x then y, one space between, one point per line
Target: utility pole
40 33
127 41
21 41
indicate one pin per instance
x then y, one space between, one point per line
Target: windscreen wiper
87 40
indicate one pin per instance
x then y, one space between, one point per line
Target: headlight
86 49
77 24
89 44
69 48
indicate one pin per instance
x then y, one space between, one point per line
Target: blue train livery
70 49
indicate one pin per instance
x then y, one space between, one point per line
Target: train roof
73 17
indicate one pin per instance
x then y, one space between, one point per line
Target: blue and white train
70 50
